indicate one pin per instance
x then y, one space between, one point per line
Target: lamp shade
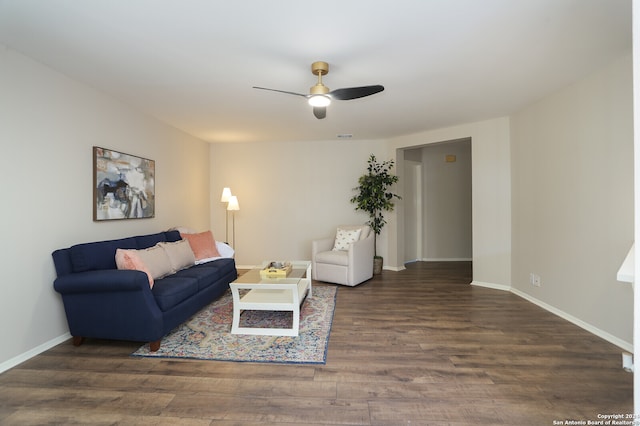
233 203
226 194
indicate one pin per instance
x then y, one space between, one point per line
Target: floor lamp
226 194
233 207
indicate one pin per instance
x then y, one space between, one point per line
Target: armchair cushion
334 257
346 237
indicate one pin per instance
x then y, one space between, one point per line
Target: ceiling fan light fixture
320 96
319 100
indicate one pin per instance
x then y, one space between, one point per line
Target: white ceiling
192 63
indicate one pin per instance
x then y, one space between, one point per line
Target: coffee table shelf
271 294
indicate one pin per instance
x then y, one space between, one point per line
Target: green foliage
374 196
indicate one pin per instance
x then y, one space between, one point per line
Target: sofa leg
154 346
77 340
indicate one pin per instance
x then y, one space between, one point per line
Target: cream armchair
341 261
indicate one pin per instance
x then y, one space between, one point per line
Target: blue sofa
101 301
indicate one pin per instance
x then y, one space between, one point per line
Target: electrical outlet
534 280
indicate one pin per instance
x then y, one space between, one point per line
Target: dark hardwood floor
417 347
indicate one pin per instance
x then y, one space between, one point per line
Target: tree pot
377 265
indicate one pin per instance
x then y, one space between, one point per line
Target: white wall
48 125
447 205
572 162
491 197
413 203
289 194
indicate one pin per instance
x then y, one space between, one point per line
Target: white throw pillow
346 237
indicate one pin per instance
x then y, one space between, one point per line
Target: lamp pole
233 206
226 195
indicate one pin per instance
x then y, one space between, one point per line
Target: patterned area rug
207 335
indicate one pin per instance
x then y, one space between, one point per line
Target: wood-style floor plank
416 347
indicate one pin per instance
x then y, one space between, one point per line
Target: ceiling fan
320 97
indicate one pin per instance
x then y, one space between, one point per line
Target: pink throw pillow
203 245
129 259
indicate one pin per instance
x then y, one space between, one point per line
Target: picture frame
123 186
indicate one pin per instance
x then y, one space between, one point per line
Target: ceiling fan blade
281 91
320 112
355 92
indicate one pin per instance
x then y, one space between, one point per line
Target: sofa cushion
173 289
203 245
172 236
146 241
221 265
98 255
203 276
180 254
346 237
334 257
204 272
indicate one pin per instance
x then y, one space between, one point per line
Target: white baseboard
586 326
33 352
447 259
502 287
394 268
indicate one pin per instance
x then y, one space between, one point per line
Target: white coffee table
271 294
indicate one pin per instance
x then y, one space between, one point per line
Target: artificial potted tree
375 198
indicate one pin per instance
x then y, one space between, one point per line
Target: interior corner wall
572 162
290 193
48 125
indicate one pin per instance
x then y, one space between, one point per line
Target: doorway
437 200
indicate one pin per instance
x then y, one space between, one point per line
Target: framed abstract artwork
123 186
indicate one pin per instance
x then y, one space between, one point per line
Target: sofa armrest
102 281
111 304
